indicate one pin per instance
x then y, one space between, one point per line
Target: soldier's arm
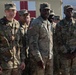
59 39
22 51
4 44
58 35
25 44
33 34
20 45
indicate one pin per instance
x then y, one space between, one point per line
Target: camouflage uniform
24 29
66 45
11 53
40 44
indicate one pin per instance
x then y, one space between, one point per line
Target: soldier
66 42
24 20
11 52
55 59
24 24
40 43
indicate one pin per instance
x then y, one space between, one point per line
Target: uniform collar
72 20
43 21
23 25
5 19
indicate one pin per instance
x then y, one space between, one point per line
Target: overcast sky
72 2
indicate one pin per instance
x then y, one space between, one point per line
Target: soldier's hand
0 70
41 64
22 66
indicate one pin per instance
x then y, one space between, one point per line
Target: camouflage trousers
11 72
67 66
36 70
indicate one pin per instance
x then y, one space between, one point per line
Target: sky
72 2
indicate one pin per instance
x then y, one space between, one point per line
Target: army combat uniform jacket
11 52
40 39
66 36
66 46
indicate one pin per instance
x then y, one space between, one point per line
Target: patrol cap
52 12
10 6
22 12
68 7
45 5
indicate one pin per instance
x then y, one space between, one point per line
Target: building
33 6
